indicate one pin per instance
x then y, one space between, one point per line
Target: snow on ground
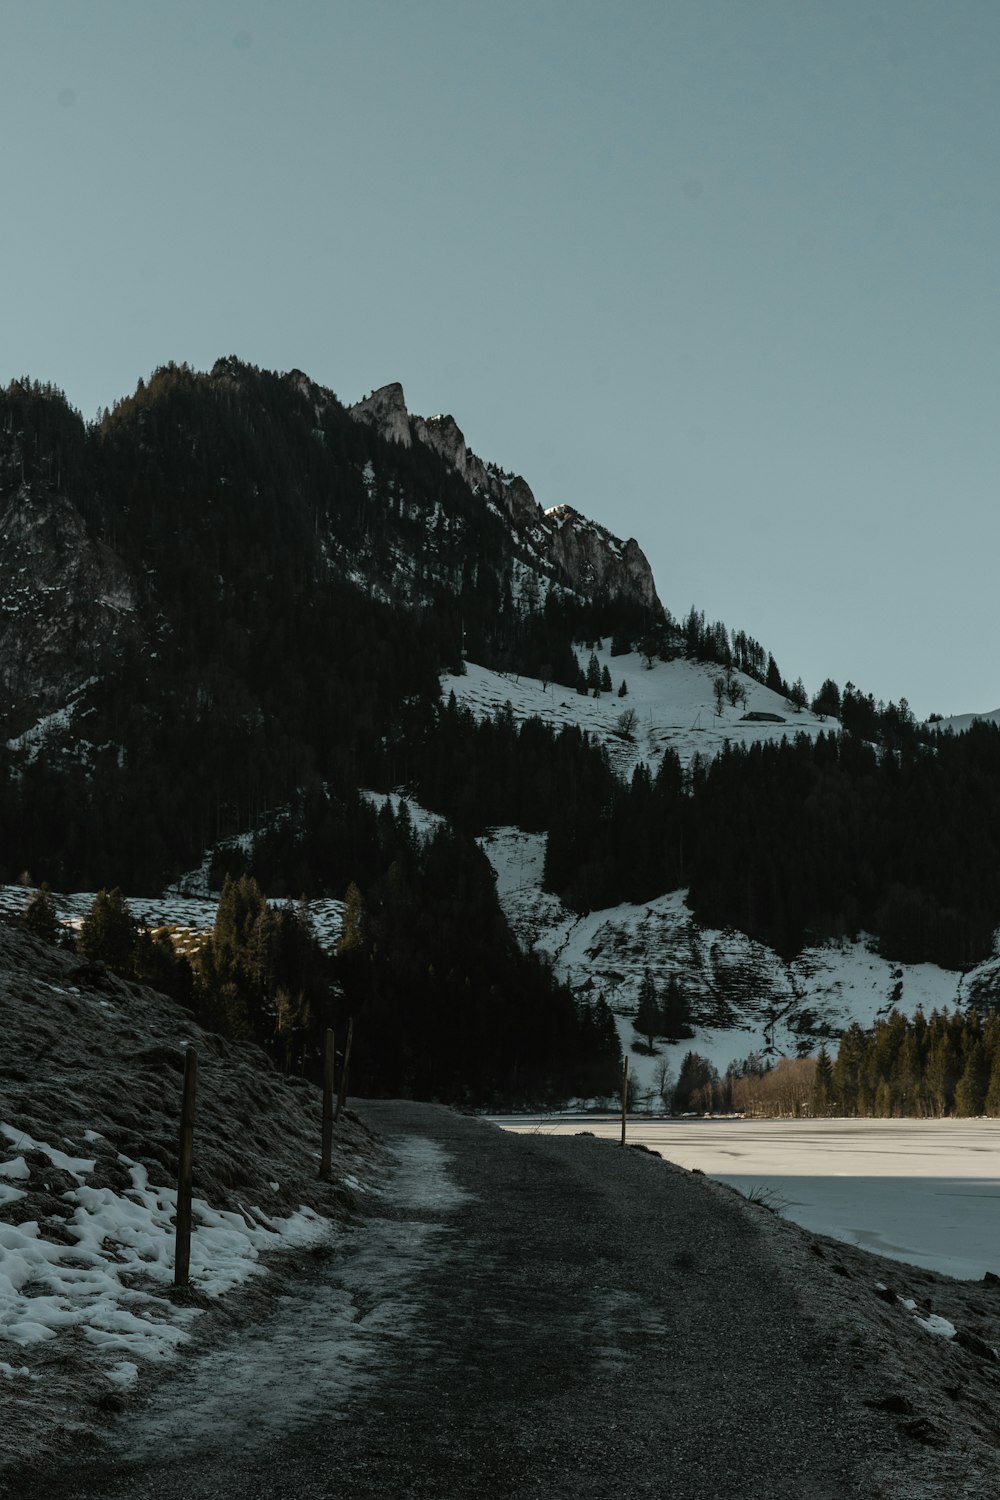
673 702
33 741
959 723
744 998
104 1274
92 1071
329 1338
189 917
425 823
193 912
926 1192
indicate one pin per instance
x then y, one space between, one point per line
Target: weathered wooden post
343 1072
185 1165
326 1163
624 1096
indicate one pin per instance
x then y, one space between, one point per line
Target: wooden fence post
624 1096
185 1164
326 1163
343 1072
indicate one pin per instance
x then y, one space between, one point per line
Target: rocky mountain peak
591 557
385 410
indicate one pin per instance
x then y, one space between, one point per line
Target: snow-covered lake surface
922 1191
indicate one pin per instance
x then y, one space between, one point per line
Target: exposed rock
589 557
597 561
385 410
66 601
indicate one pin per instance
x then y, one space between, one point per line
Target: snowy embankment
99 1267
91 1081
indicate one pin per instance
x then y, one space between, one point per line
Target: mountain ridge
590 555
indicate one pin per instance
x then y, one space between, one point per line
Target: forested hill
229 585
225 611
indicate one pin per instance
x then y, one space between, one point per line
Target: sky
719 273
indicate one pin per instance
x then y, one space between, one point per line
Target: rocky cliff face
385 410
66 603
589 557
600 561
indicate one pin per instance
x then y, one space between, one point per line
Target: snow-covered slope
743 997
959 723
674 706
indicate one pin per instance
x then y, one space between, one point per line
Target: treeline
944 1064
259 975
927 1067
799 841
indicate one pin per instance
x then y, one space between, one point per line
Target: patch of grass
766 1197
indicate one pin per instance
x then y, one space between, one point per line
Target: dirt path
525 1318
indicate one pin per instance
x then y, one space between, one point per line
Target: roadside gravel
563 1318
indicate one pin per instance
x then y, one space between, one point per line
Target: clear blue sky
720 273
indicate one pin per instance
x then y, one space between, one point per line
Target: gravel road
527 1318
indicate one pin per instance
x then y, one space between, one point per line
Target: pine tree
823 1084
109 933
606 684
847 1068
943 1067
696 1085
675 1013
972 1087
647 1016
39 916
991 1105
240 904
354 927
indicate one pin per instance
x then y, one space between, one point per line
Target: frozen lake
923 1191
